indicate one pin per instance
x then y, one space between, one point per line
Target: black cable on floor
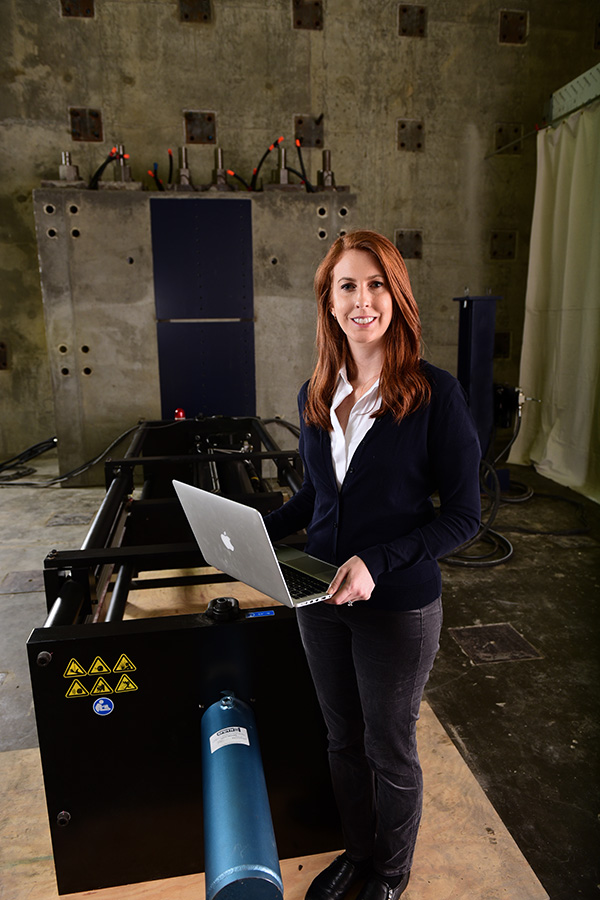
569 532
459 557
29 453
16 473
87 465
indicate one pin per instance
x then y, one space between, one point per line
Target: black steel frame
128 782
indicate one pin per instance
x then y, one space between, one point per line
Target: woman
381 431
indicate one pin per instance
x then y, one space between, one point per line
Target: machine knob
223 609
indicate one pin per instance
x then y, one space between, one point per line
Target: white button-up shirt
360 420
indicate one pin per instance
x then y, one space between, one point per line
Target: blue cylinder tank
240 852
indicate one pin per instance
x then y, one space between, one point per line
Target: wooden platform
464 852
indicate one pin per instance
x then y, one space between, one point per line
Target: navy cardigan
383 512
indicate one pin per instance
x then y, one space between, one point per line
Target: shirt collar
343 388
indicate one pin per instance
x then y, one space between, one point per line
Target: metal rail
67 606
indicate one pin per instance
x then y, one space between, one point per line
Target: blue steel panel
207 368
202 255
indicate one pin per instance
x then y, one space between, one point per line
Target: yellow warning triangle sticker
77 690
74 669
124 664
125 684
101 687
98 667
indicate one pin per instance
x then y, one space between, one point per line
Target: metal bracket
83 9
411 135
195 11
412 21
309 130
86 124
200 127
503 245
308 14
409 243
514 26
508 137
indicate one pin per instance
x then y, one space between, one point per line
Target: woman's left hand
352 582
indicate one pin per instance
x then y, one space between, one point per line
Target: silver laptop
233 538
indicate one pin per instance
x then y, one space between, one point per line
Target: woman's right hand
352 582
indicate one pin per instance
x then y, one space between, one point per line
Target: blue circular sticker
103 706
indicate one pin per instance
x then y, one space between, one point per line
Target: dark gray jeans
370 668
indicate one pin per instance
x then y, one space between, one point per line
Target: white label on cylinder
232 735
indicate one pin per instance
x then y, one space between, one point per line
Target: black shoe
335 881
377 888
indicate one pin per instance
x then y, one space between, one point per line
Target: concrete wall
141 66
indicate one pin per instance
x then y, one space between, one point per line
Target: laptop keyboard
301 585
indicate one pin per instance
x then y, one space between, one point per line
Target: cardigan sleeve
454 458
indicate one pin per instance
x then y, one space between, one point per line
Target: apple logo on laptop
227 540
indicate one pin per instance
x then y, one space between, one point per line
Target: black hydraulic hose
526 493
153 173
514 436
239 178
299 175
483 561
29 453
93 185
567 532
485 533
92 462
263 157
310 189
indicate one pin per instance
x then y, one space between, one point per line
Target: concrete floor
529 728
526 727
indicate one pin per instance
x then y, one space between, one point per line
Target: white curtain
560 361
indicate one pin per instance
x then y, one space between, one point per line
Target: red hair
403 387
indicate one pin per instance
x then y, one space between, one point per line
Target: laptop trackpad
297 559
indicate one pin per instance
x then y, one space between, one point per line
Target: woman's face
360 298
